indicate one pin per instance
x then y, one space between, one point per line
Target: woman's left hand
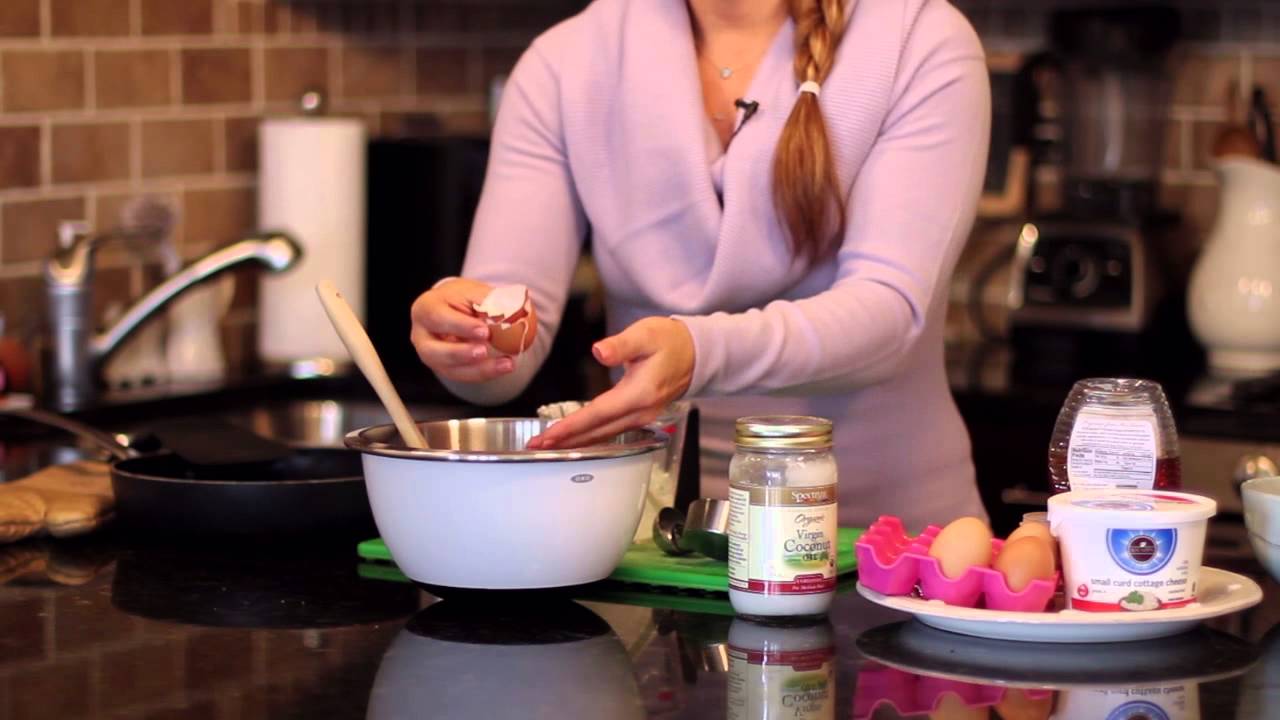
658 356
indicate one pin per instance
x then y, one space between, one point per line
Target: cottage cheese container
782 517
1130 550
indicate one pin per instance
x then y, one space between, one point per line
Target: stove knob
1253 466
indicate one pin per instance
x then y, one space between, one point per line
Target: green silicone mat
645 564
649 596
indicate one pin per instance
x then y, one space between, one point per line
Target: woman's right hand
448 336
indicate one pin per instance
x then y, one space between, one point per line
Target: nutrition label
1112 450
739 506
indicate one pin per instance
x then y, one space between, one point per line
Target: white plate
1221 593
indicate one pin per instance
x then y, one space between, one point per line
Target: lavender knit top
602 127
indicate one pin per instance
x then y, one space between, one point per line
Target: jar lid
1121 390
783 432
1131 505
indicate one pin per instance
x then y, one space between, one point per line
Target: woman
787 254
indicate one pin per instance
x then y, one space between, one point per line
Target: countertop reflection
910 669
121 627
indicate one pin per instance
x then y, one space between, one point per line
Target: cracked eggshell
513 323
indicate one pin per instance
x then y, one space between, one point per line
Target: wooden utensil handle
353 335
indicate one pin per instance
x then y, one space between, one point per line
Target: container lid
783 432
1146 506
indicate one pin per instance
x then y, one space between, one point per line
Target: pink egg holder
911 694
893 563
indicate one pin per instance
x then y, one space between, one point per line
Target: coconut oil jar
782 517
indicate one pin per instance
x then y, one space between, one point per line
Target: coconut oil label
782 541
1112 449
776 684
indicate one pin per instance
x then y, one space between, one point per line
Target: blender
1084 273
1086 263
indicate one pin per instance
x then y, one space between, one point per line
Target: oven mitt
45 563
61 500
22 560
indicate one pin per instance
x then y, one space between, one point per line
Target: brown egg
1040 530
1024 560
962 544
951 707
513 324
1016 705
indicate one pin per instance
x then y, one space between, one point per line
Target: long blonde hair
806 188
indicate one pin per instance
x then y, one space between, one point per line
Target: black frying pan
308 489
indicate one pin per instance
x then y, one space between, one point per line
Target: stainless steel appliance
1085 274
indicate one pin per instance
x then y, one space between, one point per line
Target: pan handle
106 441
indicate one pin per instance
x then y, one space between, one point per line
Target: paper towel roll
312 185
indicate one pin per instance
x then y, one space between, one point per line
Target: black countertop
993 380
121 627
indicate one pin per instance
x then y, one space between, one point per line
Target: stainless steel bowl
495 440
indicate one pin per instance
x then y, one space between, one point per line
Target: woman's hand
448 336
658 356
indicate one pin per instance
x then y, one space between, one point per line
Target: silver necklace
724 71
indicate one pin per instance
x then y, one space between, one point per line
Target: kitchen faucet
77 352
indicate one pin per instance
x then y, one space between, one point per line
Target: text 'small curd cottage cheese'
1130 550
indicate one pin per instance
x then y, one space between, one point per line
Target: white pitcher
1234 298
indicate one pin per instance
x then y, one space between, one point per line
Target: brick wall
105 100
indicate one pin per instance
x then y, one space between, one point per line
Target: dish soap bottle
782 517
1115 433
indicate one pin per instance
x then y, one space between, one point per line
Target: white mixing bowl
477 510
1262 517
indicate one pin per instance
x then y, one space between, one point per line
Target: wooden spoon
361 348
